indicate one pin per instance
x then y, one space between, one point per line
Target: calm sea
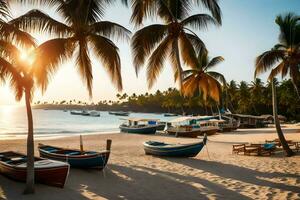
13 122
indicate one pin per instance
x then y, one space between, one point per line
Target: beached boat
174 150
191 126
76 158
137 125
50 172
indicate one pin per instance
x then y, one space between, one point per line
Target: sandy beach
214 174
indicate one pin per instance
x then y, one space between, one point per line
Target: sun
27 56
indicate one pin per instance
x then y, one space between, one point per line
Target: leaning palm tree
173 39
81 33
286 56
201 79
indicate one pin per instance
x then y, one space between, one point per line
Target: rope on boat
206 146
103 165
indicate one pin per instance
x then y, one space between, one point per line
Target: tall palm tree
81 33
201 79
286 52
286 56
173 38
23 76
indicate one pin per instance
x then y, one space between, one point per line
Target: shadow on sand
238 173
119 182
136 182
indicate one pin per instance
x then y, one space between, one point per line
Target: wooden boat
76 158
137 125
185 131
174 150
50 172
191 126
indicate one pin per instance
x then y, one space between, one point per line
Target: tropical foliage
173 39
284 57
81 33
172 101
200 78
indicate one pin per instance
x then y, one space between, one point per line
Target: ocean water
13 122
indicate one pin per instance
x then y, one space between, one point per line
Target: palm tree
81 33
287 54
173 39
201 79
24 76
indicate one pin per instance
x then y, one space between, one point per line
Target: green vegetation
246 98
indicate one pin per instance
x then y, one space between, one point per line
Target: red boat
49 172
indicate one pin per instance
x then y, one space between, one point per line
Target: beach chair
238 148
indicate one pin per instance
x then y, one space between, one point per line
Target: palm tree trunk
280 134
30 147
179 68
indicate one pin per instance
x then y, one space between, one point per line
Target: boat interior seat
50 149
17 160
73 153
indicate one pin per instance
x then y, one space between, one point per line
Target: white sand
130 174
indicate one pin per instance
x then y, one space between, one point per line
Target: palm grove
83 32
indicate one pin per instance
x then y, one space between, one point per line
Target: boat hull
141 130
53 176
95 160
189 150
189 134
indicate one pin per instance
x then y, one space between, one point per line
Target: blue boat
76 158
174 150
141 126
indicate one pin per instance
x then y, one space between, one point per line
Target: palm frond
143 42
110 29
266 60
36 20
9 50
82 11
188 54
49 55
157 60
9 72
288 26
213 7
142 9
83 62
197 43
190 84
11 33
277 70
107 52
4 10
199 21
218 76
213 62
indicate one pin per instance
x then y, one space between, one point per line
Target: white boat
94 114
191 126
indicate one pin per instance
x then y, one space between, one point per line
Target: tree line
254 98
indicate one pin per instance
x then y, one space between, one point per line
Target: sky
248 29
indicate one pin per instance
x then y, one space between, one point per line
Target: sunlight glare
27 56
